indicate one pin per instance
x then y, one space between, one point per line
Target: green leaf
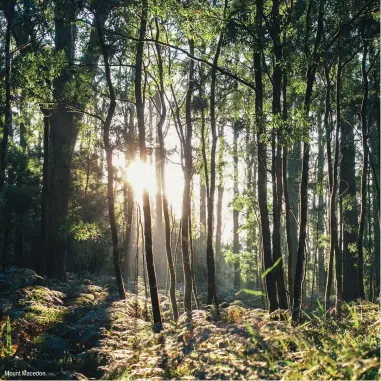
250 292
272 267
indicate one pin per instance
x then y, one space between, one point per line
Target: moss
84 299
41 314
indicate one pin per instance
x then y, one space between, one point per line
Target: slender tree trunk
202 214
40 260
8 104
110 168
212 292
163 114
350 215
262 166
305 163
143 158
237 271
128 194
288 214
364 169
320 208
334 246
220 196
276 155
294 170
194 284
187 189
328 134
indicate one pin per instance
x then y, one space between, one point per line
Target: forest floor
80 330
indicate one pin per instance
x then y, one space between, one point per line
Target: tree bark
187 148
143 158
321 274
262 167
8 103
334 244
220 196
128 194
64 123
364 169
276 155
162 156
350 215
212 291
237 267
110 168
40 260
311 70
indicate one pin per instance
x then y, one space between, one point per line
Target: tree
110 169
143 158
9 10
163 114
262 163
311 70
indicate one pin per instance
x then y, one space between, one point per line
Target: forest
190 189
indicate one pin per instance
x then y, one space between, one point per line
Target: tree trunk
293 173
40 260
237 271
276 155
220 196
128 194
262 166
212 292
8 104
305 163
288 214
364 169
320 208
334 245
143 158
163 114
64 123
350 215
110 168
187 189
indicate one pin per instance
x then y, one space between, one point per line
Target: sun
143 177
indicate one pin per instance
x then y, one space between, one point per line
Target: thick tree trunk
63 134
143 158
